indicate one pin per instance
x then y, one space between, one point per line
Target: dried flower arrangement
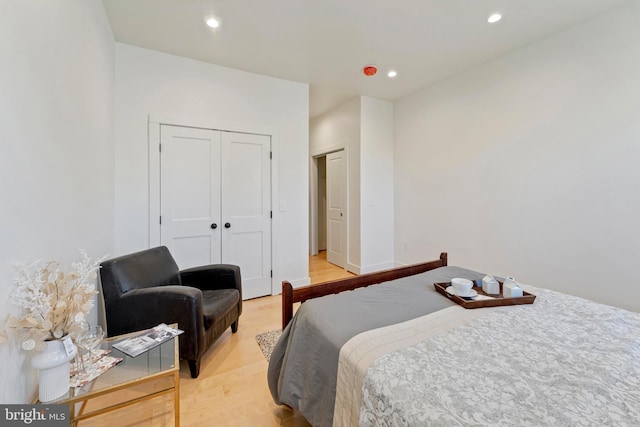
54 302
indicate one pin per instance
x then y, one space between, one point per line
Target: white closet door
336 208
246 209
190 195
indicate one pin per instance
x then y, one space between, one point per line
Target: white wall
149 82
376 189
364 128
56 149
528 165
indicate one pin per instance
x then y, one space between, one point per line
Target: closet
215 201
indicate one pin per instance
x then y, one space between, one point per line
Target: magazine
147 340
80 375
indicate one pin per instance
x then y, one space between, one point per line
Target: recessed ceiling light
494 18
213 23
392 74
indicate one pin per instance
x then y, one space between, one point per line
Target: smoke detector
370 70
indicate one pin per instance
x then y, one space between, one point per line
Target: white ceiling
326 43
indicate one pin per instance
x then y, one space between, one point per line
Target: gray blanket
303 366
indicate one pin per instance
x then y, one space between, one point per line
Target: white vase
52 364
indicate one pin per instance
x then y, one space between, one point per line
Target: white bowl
462 286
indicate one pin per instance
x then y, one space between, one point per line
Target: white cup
462 286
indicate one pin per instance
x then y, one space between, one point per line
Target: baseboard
355 269
297 283
377 267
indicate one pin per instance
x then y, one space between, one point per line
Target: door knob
214 226
227 225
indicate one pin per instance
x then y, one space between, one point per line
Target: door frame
154 123
313 197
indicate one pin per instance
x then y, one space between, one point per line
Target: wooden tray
496 301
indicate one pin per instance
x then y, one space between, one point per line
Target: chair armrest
211 277
145 308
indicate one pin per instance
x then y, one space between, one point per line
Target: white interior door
190 194
336 208
246 209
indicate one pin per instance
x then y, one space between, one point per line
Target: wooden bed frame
302 294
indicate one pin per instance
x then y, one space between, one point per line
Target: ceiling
326 43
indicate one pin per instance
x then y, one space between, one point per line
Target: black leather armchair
146 288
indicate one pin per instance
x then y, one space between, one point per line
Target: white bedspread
561 361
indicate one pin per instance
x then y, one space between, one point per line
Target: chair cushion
217 303
145 269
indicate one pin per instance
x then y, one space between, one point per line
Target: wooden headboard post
287 303
291 296
444 259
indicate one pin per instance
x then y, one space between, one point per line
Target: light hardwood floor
231 389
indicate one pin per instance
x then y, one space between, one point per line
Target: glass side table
135 379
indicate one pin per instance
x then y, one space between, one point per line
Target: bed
387 349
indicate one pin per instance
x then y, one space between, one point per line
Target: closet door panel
246 209
190 194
